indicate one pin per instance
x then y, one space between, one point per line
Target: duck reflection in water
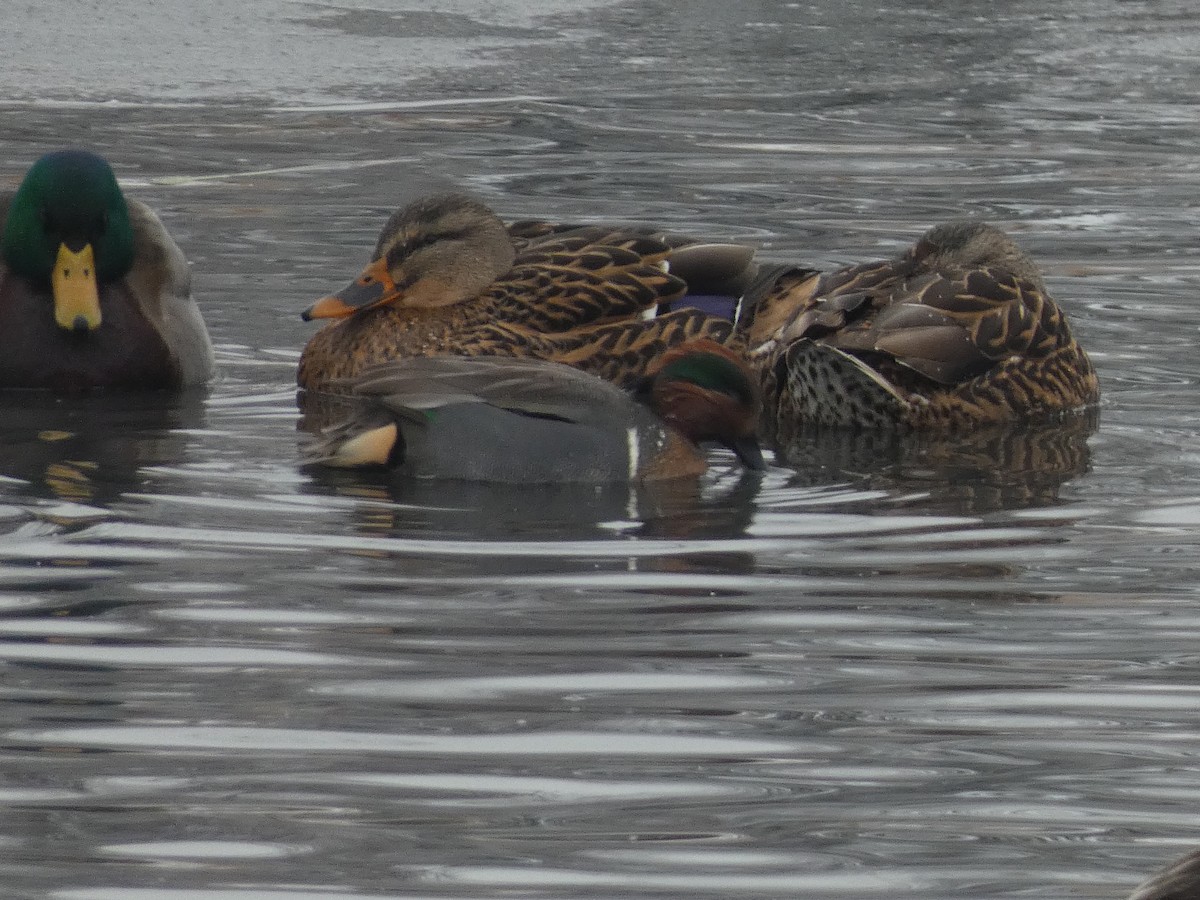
995 467
91 448
718 505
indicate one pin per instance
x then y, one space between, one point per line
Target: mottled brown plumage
1179 881
955 332
448 277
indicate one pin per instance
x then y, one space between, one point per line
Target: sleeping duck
448 276
956 332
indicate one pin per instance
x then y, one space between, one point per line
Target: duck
94 293
448 276
956 332
1180 880
521 420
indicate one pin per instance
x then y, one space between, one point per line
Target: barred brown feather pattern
770 303
871 276
622 352
1003 315
955 332
560 299
1040 387
623 246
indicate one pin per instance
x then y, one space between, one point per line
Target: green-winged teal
523 420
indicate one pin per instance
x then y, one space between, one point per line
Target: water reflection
717 505
91 449
987 469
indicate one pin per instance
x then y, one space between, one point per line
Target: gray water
965 671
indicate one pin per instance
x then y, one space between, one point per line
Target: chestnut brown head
706 391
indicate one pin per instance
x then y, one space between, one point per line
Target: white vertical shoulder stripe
631 436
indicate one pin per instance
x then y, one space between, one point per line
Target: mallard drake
955 332
449 277
93 291
525 420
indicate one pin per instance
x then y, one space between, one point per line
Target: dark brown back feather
962 311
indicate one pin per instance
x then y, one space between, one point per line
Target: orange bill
76 296
374 287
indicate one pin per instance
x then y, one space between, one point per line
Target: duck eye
101 223
419 242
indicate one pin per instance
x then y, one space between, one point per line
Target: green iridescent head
68 227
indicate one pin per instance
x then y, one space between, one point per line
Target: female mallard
1179 881
93 291
955 332
526 420
448 277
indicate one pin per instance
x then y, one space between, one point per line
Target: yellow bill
76 296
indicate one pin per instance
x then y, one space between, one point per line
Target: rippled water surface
929 671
